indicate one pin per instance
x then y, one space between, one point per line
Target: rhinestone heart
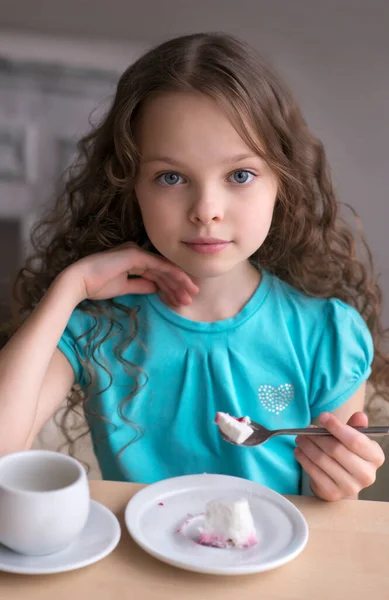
276 399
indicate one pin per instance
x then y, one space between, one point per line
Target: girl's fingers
175 294
182 282
185 280
357 467
168 277
153 281
357 442
351 475
179 277
184 297
321 483
165 286
145 261
140 286
180 294
166 283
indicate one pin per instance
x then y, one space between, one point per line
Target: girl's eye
170 179
241 177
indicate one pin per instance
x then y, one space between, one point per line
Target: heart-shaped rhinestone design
276 399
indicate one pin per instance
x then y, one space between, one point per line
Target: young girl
195 263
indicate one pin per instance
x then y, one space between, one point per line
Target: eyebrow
172 161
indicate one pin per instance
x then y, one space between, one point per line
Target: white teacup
44 501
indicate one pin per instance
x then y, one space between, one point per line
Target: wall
89 53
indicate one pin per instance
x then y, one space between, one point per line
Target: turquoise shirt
283 360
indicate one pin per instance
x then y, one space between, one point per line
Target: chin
206 270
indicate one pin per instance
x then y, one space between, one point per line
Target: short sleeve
343 358
71 346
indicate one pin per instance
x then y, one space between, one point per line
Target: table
347 557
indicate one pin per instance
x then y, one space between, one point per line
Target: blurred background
59 61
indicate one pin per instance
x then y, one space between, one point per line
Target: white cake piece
228 524
236 430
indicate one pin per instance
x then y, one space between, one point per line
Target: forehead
187 124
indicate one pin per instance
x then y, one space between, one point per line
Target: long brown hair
309 245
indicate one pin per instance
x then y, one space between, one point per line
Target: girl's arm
35 377
342 465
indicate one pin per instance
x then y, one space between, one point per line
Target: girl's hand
342 465
106 274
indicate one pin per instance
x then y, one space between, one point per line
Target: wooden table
347 557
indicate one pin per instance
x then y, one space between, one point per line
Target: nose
206 207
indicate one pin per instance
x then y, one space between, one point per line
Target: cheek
159 220
151 208
254 222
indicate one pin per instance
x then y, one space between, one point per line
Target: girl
196 262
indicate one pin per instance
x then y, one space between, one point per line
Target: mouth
207 245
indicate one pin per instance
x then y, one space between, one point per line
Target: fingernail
324 418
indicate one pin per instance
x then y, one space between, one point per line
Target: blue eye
170 179
242 177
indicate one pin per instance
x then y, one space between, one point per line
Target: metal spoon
261 434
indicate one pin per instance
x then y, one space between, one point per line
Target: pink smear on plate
216 541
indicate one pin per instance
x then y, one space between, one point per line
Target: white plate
156 513
99 537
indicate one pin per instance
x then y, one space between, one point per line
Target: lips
207 245
206 240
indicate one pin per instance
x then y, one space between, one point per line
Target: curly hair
310 245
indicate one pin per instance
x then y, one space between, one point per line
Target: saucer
99 538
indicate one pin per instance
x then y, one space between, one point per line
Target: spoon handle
374 430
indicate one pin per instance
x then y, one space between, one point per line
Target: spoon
261 434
